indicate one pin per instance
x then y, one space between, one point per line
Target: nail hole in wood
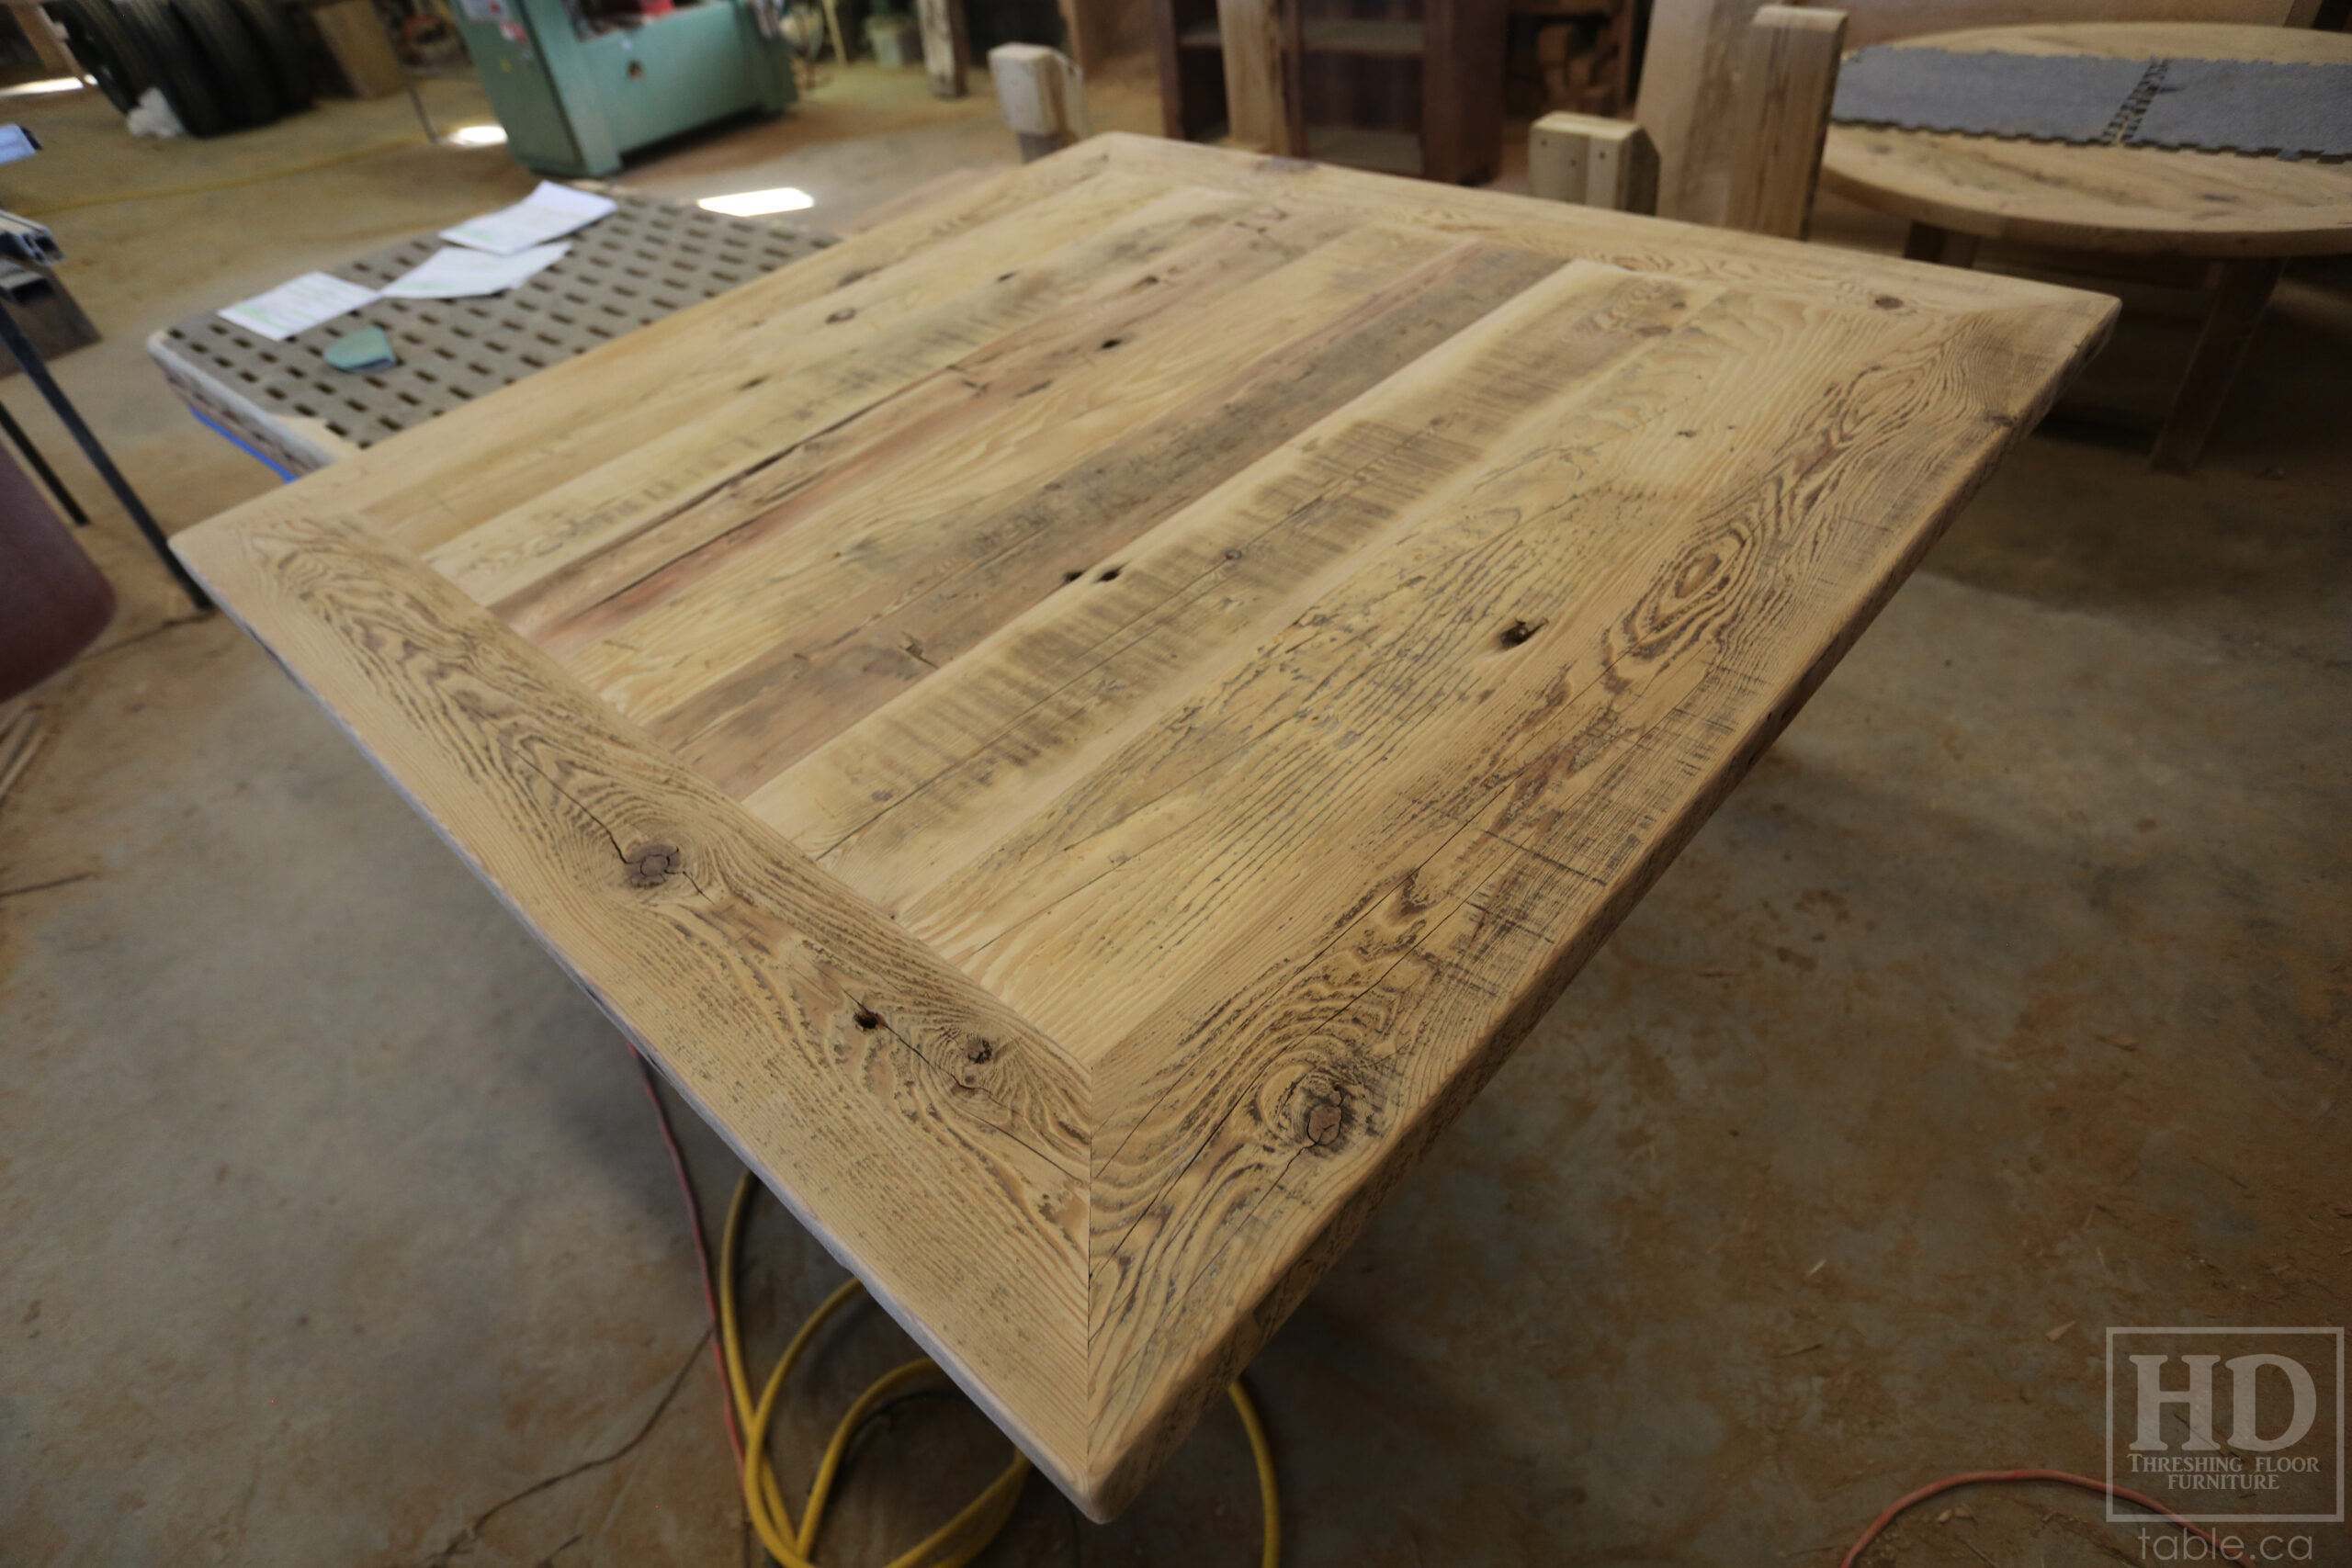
1113 342
1520 631
1073 574
1108 573
867 1018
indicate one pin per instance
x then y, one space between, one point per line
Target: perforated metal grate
644 261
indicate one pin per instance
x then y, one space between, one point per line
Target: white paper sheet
548 213
455 273
292 307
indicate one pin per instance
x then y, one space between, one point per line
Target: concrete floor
2006 1001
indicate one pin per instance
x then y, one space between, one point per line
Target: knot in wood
651 865
977 1051
1520 631
1323 1124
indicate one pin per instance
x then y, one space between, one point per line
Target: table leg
1946 247
2229 322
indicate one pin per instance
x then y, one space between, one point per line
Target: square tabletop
1080 725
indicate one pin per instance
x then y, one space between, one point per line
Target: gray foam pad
2048 97
2251 105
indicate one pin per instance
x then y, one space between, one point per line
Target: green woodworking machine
576 90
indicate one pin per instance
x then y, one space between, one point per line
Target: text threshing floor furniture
2246 212
1079 726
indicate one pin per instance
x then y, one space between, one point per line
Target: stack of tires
221 64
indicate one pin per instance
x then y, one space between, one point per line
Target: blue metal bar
247 447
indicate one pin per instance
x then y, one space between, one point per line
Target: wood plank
1577 233
964 855
856 798
1788 76
1264 106
1689 76
547 428
866 624
706 641
1255 1119
594 592
866 361
929 1137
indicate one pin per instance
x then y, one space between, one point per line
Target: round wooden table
2246 212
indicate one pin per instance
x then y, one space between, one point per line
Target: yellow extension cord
959 1540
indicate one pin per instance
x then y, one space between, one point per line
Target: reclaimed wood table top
2107 197
1080 725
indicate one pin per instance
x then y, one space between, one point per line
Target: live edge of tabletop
1080 725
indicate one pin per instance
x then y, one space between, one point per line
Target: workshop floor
2006 1001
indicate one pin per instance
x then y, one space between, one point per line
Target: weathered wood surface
1786 82
1689 92
1081 725
1265 108
2130 200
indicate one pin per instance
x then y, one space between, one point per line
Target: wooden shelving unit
1406 86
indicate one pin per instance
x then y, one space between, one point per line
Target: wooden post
2230 324
947 49
1688 88
1043 97
1597 163
361 51
41 33
1261 98
1945 247
1786 81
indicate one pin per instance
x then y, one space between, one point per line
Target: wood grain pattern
930 1136
1689 81
2130 199
1264 106
1787 79
1103 709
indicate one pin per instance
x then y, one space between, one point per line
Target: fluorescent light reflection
478 136
759 203
50 84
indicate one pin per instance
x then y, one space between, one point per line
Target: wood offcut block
1042 95
1595 161
1101 711
1786 82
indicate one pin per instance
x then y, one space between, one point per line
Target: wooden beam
1263 108
1787 78
1042 94
1688 80
1595 161
947 49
